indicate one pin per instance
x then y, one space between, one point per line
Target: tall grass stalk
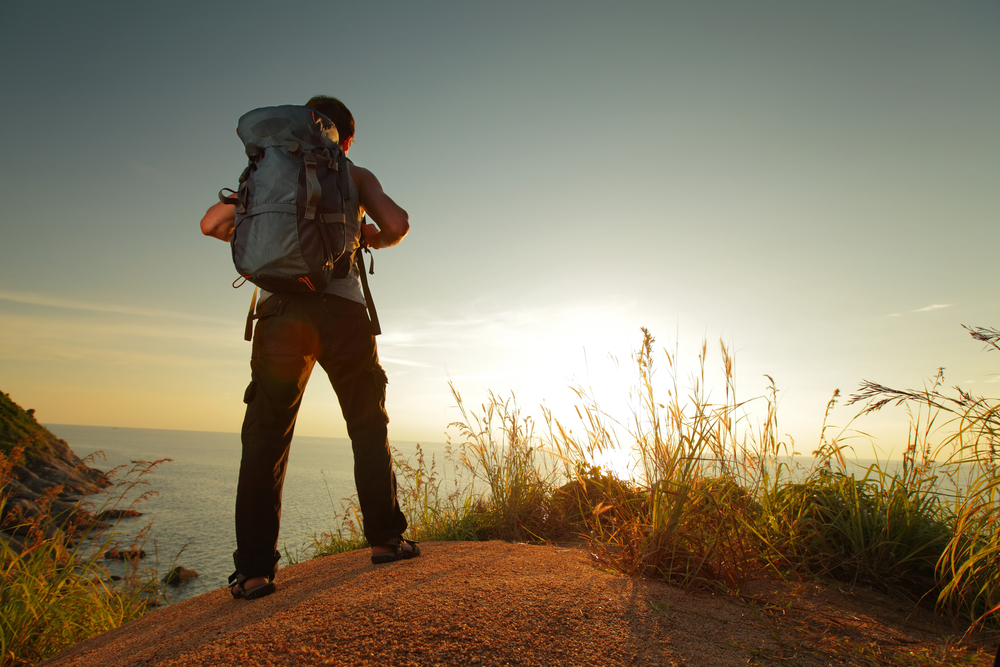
501 450
965 429
699 467
438 505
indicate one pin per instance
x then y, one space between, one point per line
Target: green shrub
881 530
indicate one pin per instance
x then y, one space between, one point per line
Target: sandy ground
482 604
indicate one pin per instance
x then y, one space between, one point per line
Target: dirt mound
471 604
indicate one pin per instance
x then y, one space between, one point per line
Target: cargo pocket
268 309
251 391
272 305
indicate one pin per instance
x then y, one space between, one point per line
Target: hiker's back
297 212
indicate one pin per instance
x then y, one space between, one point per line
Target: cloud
935 306
504 328
403 362
73 304
56 338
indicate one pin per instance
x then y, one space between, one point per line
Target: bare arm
219 221
393 222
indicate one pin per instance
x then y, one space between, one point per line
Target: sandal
398 553
236 581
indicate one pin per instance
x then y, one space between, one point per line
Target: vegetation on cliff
18 426
45 456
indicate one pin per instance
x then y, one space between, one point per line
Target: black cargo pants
293 332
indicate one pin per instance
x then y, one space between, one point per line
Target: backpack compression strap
372 315
248 332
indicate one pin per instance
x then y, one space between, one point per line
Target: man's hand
219 221
373 236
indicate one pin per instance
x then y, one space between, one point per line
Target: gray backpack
291 229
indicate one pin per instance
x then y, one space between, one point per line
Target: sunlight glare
618 462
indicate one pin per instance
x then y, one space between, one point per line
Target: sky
814 185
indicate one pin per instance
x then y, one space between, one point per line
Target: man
293 332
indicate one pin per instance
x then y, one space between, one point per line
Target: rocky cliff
35 466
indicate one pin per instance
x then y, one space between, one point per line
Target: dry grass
714 503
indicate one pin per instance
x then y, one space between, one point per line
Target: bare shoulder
362 177
391 219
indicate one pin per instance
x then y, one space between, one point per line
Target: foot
250 584
389 553
407 547
244 588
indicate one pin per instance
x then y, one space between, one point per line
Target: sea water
191 515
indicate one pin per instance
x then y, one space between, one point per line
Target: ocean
191 516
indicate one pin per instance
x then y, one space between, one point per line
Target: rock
65 512
15 489
115 553
178 576
30 480
115 515
24 508
12 542
74 476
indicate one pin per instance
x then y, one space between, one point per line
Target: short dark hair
336 111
